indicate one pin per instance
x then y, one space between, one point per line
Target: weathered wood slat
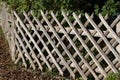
81 47
78 53
95 44
33 41
33 54
70 46
70 31
109 28
38 56
21 54
64 47
57 51
106 49
44 44
103 37
26 53
84 45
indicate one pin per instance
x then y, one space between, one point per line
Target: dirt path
9 71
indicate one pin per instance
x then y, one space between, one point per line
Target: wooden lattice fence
74 47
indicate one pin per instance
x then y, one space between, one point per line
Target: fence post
7 24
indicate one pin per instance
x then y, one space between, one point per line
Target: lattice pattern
72 47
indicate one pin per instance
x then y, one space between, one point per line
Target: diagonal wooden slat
57 51
109 28
26 53
21 54
43 43
95 44
65 33
103 37
69 46
84 45
34 56
106 49
33 40
86 23
64 47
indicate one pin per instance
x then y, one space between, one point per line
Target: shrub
107 6
110 7
113 76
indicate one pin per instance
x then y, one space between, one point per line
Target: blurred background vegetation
110 7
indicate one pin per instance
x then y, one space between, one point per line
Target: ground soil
10 71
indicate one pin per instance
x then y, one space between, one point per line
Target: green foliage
42 4
37 5
113 76
111 8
